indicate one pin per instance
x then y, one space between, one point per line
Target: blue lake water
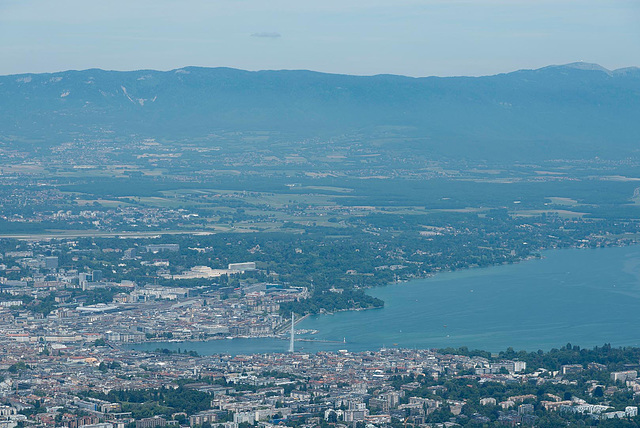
585 297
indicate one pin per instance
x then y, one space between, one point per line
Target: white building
624 376
242 266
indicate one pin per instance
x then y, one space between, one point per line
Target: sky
364 37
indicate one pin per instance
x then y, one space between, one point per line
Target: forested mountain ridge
553 111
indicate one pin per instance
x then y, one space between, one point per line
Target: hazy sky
411 37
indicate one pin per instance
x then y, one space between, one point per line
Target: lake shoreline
487 308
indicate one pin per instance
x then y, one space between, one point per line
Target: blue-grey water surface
585 297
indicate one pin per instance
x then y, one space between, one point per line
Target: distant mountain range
569 110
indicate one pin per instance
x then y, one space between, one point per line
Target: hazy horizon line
593 66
